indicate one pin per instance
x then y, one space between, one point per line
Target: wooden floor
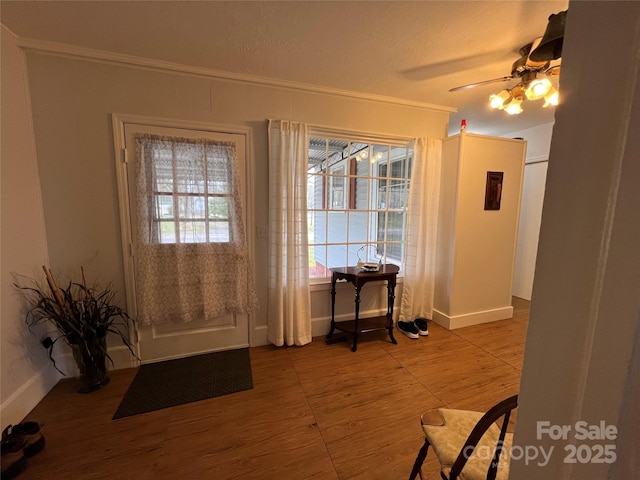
315 412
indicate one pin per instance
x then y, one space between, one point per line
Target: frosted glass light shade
538 88
498 101
514 107
551 98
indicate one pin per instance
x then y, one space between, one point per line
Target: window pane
401 169
379 154
337 228
395 226
218 208
392 232
315 191
219 232
382 195
164 206
397 169
398 194
166 232
217 173
317 154
163 169
394 250
358 223
382 225
360 151
192 232
317 223
218 186
338 187
191 207
317 262
361 194
336 256
189 175
337 193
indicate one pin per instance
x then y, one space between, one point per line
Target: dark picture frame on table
493 192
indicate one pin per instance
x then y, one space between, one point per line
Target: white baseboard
15 408
120 355
474 318
259 336
122 358
321 326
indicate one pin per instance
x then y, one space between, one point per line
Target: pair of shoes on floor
19 442
414 329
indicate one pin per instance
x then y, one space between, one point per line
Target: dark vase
90 357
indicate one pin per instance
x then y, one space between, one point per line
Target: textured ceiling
409 50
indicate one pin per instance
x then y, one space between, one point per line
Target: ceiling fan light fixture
500 100
538 88
551 98
540 58
514 107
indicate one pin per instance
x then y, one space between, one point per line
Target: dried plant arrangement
82 317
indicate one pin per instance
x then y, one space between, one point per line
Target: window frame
392 144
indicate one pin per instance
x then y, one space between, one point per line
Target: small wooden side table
359 279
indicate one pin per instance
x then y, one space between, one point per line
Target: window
191 190
357 195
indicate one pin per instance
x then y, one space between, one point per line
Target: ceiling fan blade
550 47
485 82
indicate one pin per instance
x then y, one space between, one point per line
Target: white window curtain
191 258
422 228
289 320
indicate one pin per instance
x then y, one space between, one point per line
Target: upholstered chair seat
467 442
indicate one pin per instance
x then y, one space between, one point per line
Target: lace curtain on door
191 259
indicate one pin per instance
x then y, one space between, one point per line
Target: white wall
582 356
73 100
535 176
27 373
476 247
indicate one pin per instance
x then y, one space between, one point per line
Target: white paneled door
176 338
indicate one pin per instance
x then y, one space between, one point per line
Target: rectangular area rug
184 380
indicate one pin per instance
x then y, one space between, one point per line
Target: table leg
391 286
355 321
333 307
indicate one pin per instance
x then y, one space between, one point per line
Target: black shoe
26 433
422 326
408 328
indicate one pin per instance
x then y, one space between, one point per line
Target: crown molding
103 56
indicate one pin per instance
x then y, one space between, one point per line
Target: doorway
176 339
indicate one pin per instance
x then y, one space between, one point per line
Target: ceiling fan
540 57
524 67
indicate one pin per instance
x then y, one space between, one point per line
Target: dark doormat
184 380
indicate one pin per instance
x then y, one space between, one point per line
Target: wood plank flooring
315 412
